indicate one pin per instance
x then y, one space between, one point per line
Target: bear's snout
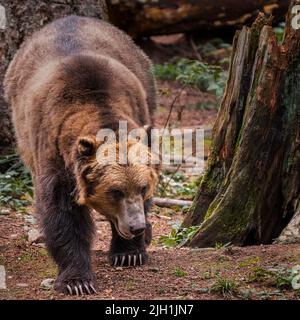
137 230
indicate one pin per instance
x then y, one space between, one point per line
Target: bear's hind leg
132 252
68 230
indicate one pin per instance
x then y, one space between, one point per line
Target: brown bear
72 78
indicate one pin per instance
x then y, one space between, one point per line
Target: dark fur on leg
68 230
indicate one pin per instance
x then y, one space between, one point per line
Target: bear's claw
131 259
76 287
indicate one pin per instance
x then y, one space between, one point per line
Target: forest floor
172 273
223 272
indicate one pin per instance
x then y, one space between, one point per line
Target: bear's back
71 50
74 35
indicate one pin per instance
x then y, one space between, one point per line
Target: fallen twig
168 203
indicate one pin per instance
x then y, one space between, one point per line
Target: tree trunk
144 18
251 187
291 234
23 18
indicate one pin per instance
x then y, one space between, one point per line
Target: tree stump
251 186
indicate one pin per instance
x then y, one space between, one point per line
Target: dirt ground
185 113
170 274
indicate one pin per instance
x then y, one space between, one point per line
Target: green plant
219 245
259 274
179 272
178 236
279 32
224 287
281 278
211 48
249 262
161 291
15 183
178 185
194 73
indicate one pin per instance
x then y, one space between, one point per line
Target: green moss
238 140
212 179
48 271
207 142
130 285
211 210
229 226
249 262
43 252
161 291
25 258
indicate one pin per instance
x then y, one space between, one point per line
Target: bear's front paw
133 259
75 287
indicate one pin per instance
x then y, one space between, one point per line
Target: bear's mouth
121 234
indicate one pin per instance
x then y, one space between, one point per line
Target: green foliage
194 73
179 272
208 48
178 185
15 184
224 286
279 32
280 278
178 236
219 245
249 262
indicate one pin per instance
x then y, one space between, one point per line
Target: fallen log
146 18
169 203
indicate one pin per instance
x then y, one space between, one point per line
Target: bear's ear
86 146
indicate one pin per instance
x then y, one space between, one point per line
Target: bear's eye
117 194
144 191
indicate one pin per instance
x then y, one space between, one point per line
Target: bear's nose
137 230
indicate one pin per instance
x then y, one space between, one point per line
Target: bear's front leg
68 230
132 252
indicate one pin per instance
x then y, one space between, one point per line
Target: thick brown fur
69 80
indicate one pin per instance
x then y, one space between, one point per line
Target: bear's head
121 192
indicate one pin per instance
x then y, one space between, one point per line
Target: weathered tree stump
251 187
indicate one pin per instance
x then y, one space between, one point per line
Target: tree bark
251 186
144 18
23 18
